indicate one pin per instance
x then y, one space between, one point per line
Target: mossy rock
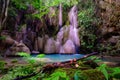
92 74
14 61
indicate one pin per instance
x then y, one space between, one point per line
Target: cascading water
67 39
70 35
60 16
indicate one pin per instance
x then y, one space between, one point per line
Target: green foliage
77 75
103 69
14 61
21 4
86 13
2 65
21 71
92 74
94 58
114 72
58 75
87 22
31 60
40 55
42 6
27 57
23 54
2 37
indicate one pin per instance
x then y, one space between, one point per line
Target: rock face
40 43
17 47
50 46
109 29
109 11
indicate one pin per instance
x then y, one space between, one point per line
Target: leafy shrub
87 22
23 54
58 75
2 65
21 71
2 37
114 72
91 74
103 69
40 55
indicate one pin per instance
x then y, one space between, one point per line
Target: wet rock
60 36
69 47
40 43
66 33
74 36
61 50
35 52
9 40
57 46
50 46
36 45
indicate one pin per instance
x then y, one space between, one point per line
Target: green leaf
76 76
23 54
40 55
102 68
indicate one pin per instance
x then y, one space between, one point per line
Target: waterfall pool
57 57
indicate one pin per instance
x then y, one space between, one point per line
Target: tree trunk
4 13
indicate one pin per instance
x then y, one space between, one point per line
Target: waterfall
60 16
73 17
67 39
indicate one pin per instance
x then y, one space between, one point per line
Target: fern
58 75
78 76
103 69
115 72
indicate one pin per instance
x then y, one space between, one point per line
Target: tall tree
4 12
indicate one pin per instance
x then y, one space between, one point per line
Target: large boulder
17 47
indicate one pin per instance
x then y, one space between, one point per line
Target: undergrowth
85 70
